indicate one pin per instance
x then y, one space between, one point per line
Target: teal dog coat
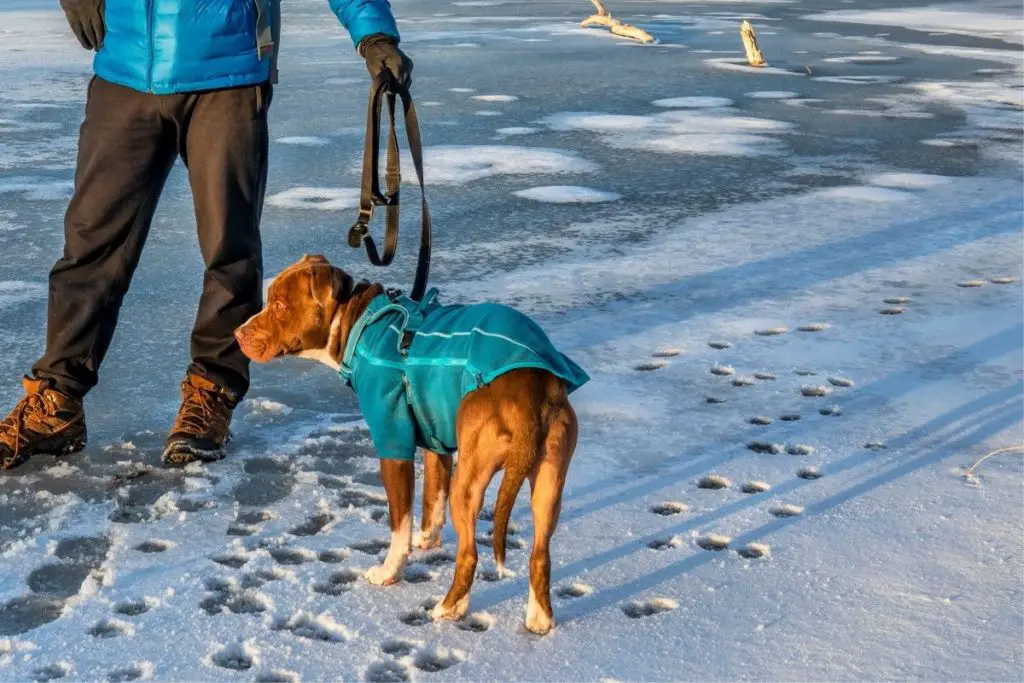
410 363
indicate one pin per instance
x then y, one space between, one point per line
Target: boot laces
30 403
200 410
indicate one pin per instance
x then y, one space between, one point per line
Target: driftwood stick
754 56
604 18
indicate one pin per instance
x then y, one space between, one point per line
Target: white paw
383 575
539 623
426 540
455 613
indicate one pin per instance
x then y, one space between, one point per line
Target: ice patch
516 130
740 64
14 292
908 181
567 194
37 189
488 112
860 193
859 80
322 198
861 59
457 164
773 94
694 102
679 131
264 406
986 22
461 90
495 98
304 141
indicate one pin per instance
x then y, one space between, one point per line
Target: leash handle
384 91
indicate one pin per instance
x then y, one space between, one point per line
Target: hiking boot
44 421
202 426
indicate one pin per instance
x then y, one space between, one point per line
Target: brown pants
127 145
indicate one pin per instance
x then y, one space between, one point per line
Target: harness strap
384 89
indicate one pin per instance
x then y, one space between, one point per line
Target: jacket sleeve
365 18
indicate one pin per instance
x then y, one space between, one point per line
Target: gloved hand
86 20
382 52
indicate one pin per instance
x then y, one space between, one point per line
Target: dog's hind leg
546 483
399 477
437 472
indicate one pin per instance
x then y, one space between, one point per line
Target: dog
481 380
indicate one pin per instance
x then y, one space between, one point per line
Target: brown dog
520 421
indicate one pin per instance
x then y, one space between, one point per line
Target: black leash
385 88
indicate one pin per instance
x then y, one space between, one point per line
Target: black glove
86 20
382 52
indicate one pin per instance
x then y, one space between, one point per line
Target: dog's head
304 302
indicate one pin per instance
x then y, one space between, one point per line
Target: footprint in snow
438 558
388 671
893 310
752 487
722 370
771 331
292 556
1003 280
154 546
374 547
813 327
715 400
743 382
649 366
135 671
971 283
417 573
809 473
278 676
719 345
786 510
665 543
831 411
799 449
753 551
242 530
435 658
492 576
666 353
638 609
400 647
232 560
236 657
841 382
573 590
789 417
765 376
765 447
313 525
313 627
897 300
668 508
475 623
417 617
333 556
713 481
713 542
814 391
111 628
134 608
761 420
52 672
339 582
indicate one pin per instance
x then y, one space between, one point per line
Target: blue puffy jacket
173 46
411 363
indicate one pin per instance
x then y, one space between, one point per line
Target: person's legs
223 140
226 154
125 152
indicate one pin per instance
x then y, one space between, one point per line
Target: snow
693 102
495 98
1000 21
802 330
566 194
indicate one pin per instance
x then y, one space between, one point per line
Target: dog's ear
313 258
331 286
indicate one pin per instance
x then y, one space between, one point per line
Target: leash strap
384 90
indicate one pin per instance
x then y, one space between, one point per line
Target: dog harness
410 364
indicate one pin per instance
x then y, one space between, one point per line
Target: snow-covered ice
802 314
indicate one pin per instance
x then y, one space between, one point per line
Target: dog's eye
278 306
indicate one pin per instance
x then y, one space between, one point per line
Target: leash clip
360 229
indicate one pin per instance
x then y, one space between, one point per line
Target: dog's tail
515 475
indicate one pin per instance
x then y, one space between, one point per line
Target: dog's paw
427 540
383 575
440 612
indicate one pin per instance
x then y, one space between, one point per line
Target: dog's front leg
398 476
